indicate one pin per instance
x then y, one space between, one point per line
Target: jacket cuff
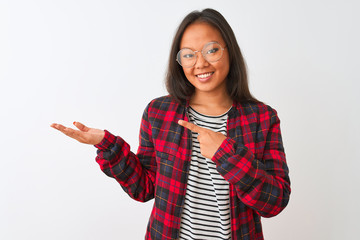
225 150
108 140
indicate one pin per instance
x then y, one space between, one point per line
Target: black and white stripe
206 213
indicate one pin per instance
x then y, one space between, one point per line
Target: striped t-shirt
206 212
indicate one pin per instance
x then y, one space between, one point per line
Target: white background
100 62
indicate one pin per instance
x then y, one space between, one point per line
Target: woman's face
204 76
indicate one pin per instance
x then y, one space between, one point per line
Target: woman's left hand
209 140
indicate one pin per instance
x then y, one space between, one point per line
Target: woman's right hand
84 134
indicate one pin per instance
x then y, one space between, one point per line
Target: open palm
84 134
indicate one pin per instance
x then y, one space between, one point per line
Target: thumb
81 127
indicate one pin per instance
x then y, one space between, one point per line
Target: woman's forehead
198 34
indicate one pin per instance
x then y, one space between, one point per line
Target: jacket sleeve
134 172
262 184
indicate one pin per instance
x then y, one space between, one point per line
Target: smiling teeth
204 75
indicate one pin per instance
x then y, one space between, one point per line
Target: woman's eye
213 50
188 56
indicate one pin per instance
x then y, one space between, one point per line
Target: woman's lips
204 76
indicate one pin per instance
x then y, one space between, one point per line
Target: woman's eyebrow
203 45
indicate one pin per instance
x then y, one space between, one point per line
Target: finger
57 126
63 129
81 127
192 127
68 131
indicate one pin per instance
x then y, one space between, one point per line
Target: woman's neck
211 104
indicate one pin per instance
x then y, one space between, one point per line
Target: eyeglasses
212 52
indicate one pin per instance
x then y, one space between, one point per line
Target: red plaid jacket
251 159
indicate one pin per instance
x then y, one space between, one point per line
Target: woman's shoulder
164 103
163 99
260 109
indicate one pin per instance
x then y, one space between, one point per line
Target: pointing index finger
192 127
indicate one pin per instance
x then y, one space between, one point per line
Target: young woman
210 154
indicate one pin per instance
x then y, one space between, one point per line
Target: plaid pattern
251 159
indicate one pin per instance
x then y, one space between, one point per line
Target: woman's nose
201 61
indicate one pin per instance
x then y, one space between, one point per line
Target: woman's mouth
204 76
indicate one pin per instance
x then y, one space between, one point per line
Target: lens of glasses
186 57
212 52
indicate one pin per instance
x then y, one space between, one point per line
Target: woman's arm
134 172
263 185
